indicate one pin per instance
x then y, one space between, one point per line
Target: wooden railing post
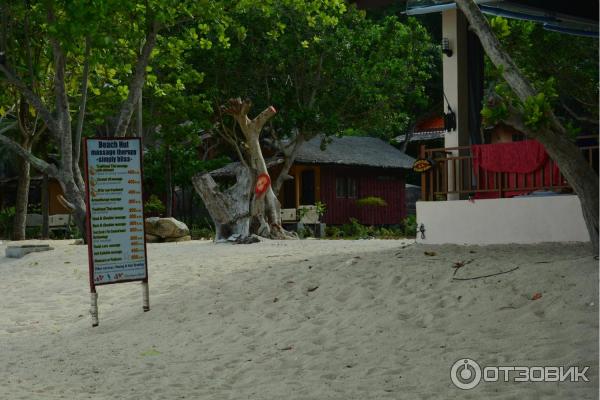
423 175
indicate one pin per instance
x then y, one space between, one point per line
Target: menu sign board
116 241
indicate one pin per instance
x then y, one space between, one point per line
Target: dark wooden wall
379 182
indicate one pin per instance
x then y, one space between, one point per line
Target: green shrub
305 232
34 208
7 216
390 232
33 232
301 212
410 226
154 206
354 229
71 233
371 201
333 232
320 208
198 232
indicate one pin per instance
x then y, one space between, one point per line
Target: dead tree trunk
567 155
264 207
242 209
230 209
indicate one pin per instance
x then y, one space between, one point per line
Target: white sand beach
311 319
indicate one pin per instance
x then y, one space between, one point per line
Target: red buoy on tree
262 184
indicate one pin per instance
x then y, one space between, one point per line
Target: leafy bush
33 232
34 208
301 212
410 226
7 216
371 201
305 232
72 232
333 232
391 232
320 208
354 229
154 206
198 232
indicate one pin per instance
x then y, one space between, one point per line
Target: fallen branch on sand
461 264
485 276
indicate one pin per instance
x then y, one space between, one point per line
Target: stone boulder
166 227
152 238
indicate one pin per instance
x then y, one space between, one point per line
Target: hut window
345 187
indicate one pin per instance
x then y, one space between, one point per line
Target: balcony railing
453 174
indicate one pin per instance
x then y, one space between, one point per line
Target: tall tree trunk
22 199
45 208
169 182
140 120
76 203
567 155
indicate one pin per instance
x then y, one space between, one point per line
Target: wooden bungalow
348 169
8 192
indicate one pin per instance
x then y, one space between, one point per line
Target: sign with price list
115 214
116 239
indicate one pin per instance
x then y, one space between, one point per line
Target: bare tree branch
32 98
263 117
137 82
290 157
38 163
82 105
493 49
313 95
580 118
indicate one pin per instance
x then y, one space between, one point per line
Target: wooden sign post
115 216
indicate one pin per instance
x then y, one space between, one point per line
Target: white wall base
496 221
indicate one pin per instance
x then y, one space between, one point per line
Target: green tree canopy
563 68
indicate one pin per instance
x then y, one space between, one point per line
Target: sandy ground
298 320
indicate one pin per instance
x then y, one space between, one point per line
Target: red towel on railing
525 164
520 157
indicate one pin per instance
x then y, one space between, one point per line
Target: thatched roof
354 150
346 150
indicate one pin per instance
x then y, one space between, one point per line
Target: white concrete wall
496 221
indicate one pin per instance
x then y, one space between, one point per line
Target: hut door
307 187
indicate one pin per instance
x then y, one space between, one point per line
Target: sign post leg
145 296
94 308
